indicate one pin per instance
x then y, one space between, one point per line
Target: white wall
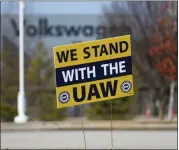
76 21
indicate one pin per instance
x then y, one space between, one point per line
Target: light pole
21 118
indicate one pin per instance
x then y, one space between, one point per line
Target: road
95 139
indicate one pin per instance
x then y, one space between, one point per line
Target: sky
55 7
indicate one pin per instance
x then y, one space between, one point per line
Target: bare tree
141 21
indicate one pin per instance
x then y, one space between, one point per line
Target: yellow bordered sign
93 71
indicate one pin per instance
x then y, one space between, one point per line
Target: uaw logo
64 97
126 86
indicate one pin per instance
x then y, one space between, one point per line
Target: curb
144 122
92 129
103 125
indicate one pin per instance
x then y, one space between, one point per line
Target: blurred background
153 26
153 29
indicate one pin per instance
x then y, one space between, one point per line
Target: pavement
144 139
76 124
